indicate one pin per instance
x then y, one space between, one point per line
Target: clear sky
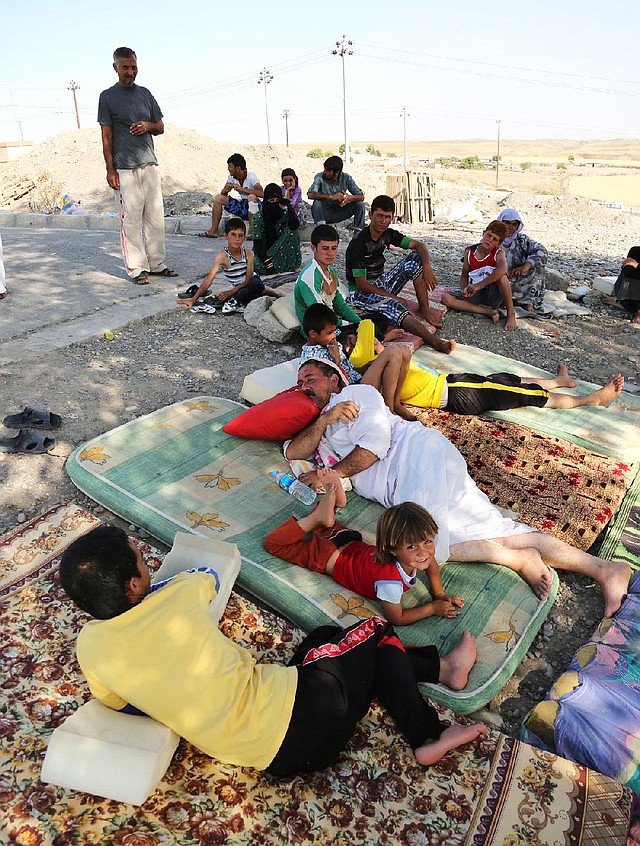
549 69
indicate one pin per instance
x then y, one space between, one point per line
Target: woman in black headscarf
276 241
626 291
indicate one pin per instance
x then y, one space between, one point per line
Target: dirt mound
190 162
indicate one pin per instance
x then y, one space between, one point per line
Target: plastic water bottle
289 483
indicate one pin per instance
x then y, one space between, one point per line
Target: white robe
416 464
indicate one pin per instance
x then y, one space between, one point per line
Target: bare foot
456 665
534 571
444 346
563 379
636 317
613 579
608 393
209 234
403 411
333 487
495 316
451 738
511 323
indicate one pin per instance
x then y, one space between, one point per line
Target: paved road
65 286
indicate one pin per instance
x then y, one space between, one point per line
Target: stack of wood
414 195
12 192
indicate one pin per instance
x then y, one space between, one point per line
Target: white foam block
604 284
191 551
269 381
106 753
284 309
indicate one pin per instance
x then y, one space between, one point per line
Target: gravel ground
99 384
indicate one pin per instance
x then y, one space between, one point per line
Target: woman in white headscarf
526 262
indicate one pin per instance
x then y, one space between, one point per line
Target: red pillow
275 419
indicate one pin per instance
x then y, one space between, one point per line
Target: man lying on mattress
158 651
391 461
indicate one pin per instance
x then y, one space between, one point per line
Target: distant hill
618 149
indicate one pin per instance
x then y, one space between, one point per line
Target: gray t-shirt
345 183
118 108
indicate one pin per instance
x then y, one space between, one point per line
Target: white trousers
3 287
141 220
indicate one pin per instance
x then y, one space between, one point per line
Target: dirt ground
98 384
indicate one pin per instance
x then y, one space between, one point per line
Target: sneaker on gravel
232 306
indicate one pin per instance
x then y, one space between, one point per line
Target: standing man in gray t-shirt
129 118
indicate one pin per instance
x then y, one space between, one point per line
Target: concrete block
31 219
191 224
7 218
103 223
604 284
256 308
106 753
70 221
270 328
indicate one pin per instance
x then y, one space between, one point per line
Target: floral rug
558 487
496 792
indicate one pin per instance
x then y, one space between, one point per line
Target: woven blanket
176 469
495 791
558 487
608 431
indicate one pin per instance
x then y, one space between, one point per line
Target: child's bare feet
333 487
451 738
609 392
495 317
511 322
563 378
444 346
456 665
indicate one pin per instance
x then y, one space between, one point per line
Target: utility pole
285 115
342 49
73 88
265 78
404 117
498 155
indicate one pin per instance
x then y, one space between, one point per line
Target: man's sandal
141 279
34 418
166 272
28 443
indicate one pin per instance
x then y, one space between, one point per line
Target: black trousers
470 393
339 671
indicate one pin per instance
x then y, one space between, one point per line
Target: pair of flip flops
28 442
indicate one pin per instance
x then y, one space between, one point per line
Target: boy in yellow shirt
157 651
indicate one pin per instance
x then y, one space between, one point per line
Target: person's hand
469 291
522 270
140 127
444 606
338 197
113 180
311 480
401 300
629 262
429 277
344 412
346 199
229 186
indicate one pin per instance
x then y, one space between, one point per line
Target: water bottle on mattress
289 483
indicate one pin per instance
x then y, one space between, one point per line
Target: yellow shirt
167 657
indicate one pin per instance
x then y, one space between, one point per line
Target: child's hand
444 608
469 291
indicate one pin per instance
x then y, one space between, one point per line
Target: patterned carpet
497 792
556 486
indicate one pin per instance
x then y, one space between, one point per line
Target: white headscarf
511 214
